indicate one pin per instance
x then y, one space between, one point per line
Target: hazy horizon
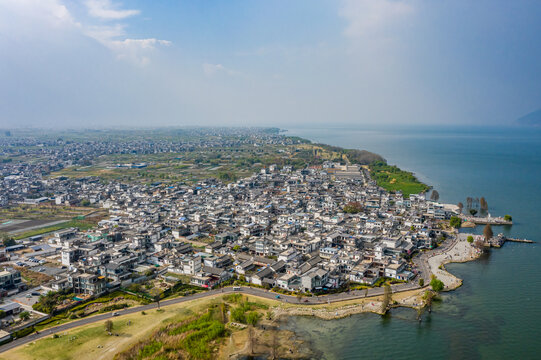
358 63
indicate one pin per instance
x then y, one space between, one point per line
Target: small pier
520 240
486 220
500 239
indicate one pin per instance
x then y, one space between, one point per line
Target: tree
435 196
387 297
252 318
470 239
135 287
508 218
353 207
487 231
469 202
421 282
150 272
2 314
427 297
437 285
484 205
455 222
8 241
473 212
157 299
25 315
109 326
460 207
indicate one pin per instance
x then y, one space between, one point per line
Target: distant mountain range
531 119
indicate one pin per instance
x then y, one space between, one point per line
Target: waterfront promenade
486 220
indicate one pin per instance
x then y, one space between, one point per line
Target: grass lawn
89 337
393 179
82 225
42 212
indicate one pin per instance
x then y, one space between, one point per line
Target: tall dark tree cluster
487 232
483 204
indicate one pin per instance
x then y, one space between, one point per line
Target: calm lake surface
496 314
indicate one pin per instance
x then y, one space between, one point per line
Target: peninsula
175 240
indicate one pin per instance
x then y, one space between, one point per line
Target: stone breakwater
411 299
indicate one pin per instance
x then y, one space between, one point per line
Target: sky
302 63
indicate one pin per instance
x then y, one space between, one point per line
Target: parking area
28 297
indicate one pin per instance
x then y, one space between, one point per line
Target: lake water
496 314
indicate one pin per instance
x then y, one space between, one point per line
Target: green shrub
437 285
23 332
114 307
455 222
252 318
234 298
150 349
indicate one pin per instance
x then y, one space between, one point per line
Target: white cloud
111 36
50 12
212 69
106 10
104 34
134 50
367 17
30 18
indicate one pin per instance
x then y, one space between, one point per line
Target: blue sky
95 63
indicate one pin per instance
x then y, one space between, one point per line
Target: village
313 230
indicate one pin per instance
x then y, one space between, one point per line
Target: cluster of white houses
281 228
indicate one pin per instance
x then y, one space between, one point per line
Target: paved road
420 261
356 294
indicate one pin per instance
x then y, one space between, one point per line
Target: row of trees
473 206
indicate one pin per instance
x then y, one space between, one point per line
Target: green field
43 212
191 321
393 179
82 225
